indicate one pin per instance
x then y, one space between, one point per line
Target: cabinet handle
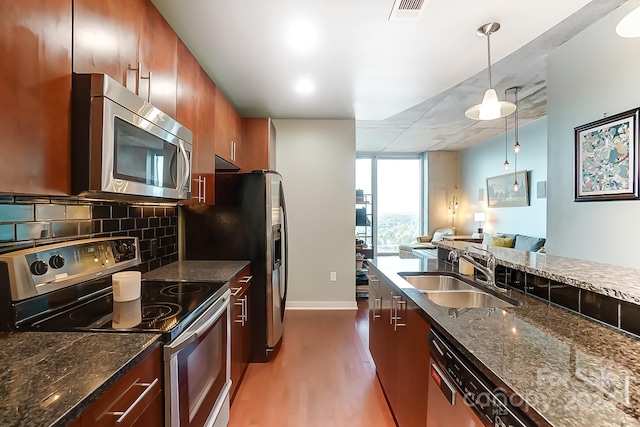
393 305
396 315
137 70
123 415
235 291
148 77
373 278
376 300
245 279
202 197
243 310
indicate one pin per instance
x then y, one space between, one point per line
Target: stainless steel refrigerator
248 222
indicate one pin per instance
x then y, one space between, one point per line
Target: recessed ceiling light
303 36
305 86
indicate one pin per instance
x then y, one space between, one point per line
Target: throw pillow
424 239
486 239
527 243
504 242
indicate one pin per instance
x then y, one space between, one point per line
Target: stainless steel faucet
489 271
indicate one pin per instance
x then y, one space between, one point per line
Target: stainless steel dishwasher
460 397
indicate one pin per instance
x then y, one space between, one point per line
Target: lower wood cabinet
398 342
240 328
136 400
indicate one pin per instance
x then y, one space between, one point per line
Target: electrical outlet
154 247
332 276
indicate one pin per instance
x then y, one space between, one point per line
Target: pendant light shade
491 108
629 26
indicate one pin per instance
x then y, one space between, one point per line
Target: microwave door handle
187 171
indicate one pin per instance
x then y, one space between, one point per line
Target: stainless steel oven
197 370
123 146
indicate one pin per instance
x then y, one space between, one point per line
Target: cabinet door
195 109
240 328
135 400
106 36
157 53
258 144
35 96
412 366
228 128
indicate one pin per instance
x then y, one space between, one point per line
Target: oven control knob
56 261
123 247
39 267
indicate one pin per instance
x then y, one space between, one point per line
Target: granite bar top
50 378
622 283
209 271
570 371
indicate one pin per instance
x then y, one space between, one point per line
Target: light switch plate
332 276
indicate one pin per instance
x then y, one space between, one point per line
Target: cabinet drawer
134 400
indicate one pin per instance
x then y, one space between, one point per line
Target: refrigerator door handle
283 205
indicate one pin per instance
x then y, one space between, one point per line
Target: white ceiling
406 84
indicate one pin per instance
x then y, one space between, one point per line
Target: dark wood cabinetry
195 109
398 342
132 43
35 101
136 400
240 328
258 144
228 129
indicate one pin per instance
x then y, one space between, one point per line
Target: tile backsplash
27 222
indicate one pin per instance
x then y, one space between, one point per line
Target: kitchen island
569 370
50 378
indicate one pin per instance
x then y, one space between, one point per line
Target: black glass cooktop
164 307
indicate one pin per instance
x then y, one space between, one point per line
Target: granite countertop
49 378
622 283
209 271
570 371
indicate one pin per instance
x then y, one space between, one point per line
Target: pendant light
516 147
629 26
491 108
506 138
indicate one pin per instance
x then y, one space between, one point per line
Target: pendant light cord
489 57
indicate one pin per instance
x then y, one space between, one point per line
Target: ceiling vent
407 10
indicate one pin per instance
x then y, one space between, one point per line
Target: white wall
486 160
317 161
593 74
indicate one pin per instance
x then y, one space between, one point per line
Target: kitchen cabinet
228 129
240 328
195 109
258 144
35 46
136 400
398 342
134 45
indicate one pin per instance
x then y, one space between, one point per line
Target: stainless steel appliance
123 146
248 222
460 396
67 287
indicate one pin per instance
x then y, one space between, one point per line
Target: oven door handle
189 337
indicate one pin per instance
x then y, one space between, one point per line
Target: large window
396 185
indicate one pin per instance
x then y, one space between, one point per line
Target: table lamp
480 217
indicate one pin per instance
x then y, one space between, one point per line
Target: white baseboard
322 305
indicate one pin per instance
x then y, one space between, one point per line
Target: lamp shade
479 216
629 26
491 108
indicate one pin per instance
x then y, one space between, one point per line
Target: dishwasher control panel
495 405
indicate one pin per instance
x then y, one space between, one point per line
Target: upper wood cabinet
35 100
258 144
132 43
195 109
228 128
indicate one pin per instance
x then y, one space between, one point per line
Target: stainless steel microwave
124 147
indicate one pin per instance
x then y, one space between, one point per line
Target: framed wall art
500 192
606 159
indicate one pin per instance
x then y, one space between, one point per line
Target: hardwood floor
323 376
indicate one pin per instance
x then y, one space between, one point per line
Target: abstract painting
501 192
606 158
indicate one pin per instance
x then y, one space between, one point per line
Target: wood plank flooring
323 376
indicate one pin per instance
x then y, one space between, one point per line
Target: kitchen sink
467 299
437 283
